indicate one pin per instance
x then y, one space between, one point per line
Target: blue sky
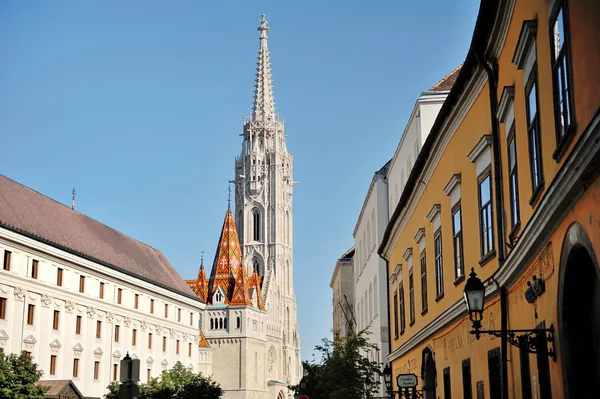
139 106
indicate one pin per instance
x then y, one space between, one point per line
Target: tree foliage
18 375
343 370
179 382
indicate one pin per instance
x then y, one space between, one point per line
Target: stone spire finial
264 106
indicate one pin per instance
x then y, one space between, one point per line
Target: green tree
18 375
343 370
177 383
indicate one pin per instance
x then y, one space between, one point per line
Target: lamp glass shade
474 293
387 376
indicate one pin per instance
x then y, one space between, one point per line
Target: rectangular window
447 386
101 293
152 306
164 344
115 371
34 269
75 367
2 308
466 379
134 337
81 283
486 223
190 349
178 314
6 264
59 275
177 347
561 71
116 333
457 238
136 301
78 325
149 340
439 267
525 373
191 319
411 294
166 310
55 320
423 282
96 370
98 329
402 311
534 134
513 183
395 314
494 374
52 364
30 314
119 295
148 375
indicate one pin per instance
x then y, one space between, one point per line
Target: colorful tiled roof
32 214
448 81
228 271
202 342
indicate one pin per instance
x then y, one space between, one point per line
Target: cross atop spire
264 106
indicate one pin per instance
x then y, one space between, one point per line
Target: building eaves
482 30
381 173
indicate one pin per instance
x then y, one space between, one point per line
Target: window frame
423 264
56 320
96 370
457 208
402 308
59 277
396 315
101 290
81 284
98 329
35 264
513 185
78 324
467 379
439 264
52 370
562 141
411 297
534 130
486 256
3 302
30 314
7 259
75 367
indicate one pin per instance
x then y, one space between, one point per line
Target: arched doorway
428 374
579 314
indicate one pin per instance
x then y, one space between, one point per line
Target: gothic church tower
263 206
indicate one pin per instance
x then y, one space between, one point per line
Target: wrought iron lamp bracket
528 340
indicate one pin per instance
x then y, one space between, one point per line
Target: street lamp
530 340
387 377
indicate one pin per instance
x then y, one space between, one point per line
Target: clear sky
139 106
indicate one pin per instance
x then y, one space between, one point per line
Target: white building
78 295
387 184
257 353
342 284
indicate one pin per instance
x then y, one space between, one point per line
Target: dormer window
219 297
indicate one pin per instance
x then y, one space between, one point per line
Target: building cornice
420 235
506 100
526 40
482 145
435 210
453 183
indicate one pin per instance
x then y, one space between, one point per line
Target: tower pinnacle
264 106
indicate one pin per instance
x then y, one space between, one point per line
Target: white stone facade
342 284
36 300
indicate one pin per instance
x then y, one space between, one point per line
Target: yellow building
508 184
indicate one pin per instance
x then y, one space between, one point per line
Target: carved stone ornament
110 316
77 349
55 346
143 326
3 338
149 362
29 342
116 354
19 293
158 328
172 334
127 321
46 300
98 353
164 363
69 306
91 312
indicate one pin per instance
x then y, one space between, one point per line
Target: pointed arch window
256 224
256 267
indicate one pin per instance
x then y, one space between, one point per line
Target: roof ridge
81 213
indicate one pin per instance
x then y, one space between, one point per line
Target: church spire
264 106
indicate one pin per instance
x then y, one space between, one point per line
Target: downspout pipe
490 67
